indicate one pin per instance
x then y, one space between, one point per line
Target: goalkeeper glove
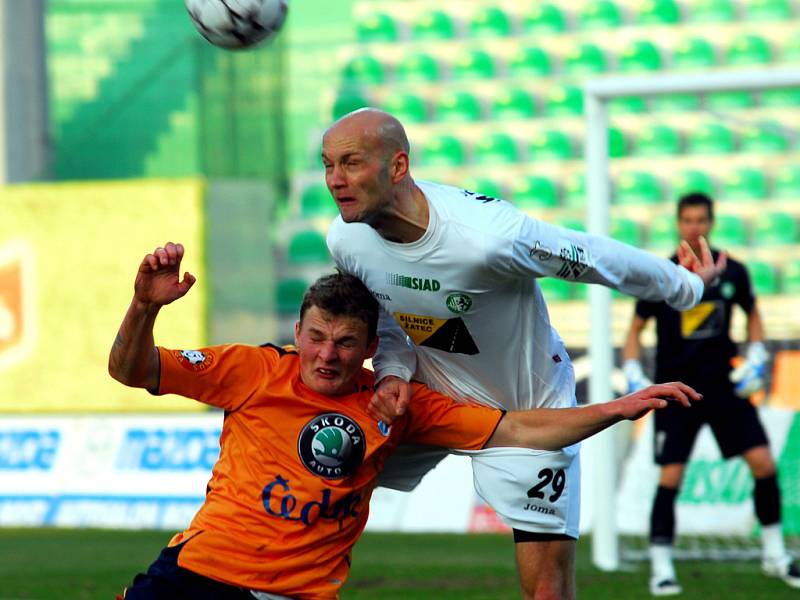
748 378
634 375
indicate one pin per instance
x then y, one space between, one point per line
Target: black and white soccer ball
237 23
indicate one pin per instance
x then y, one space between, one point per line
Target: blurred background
121 129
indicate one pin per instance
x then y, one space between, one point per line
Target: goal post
597 94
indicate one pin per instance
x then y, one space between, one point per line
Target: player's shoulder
734 268
471 208
343 235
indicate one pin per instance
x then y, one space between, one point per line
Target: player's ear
399 166
297 334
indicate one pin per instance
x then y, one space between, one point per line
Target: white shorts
530 490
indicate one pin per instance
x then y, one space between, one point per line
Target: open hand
704 265
636 405
158 279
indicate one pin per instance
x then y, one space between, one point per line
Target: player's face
694 222
332 350
356 173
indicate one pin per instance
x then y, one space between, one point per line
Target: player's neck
406 219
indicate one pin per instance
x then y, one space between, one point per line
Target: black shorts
734 422
168 581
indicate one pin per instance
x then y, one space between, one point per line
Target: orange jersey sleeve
223 376
438 420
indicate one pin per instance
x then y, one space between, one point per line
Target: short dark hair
696 199
343 294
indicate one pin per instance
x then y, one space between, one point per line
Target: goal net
735 136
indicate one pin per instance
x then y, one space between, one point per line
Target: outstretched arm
554 428
134 358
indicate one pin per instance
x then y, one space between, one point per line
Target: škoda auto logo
16 301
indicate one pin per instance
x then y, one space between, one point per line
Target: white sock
661 561
772 546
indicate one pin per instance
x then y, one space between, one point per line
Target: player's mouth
345 200
327 373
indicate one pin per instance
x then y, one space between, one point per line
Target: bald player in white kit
455 273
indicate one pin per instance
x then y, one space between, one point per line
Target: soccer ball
237 23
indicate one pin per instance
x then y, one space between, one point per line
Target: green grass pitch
89 564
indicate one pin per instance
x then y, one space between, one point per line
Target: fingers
168 255
722 262
676 391
686 256
706 259
187 283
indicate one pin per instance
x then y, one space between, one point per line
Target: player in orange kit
299 454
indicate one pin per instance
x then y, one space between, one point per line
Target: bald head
373 126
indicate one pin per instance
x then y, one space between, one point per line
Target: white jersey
469 318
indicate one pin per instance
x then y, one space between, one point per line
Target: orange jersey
289 495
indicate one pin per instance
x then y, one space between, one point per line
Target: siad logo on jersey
194 360
413 283
331 446
458 303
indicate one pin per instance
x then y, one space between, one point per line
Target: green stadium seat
657 140
495 148
544 17
617 144
791 277
653 12
776 228
457 106
711 138
641 55
573 223
307 247
564 100
729 100
550 145
433 25
764 277
376 27
417 67
316 201
575 190
627 104
289 295
749 49
513 103
484 186
768 10
790 51
580 291
585 59
600 14
786 183
637 187
530 61
765 138
745 183
474 64
445 151
349 99
713 11
555 290
729 230
409 108
779 97
534 192
364 69
675 102
690 181
694 53
662 234
490 21
626 231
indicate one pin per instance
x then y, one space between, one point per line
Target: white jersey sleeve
395 355
545 250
